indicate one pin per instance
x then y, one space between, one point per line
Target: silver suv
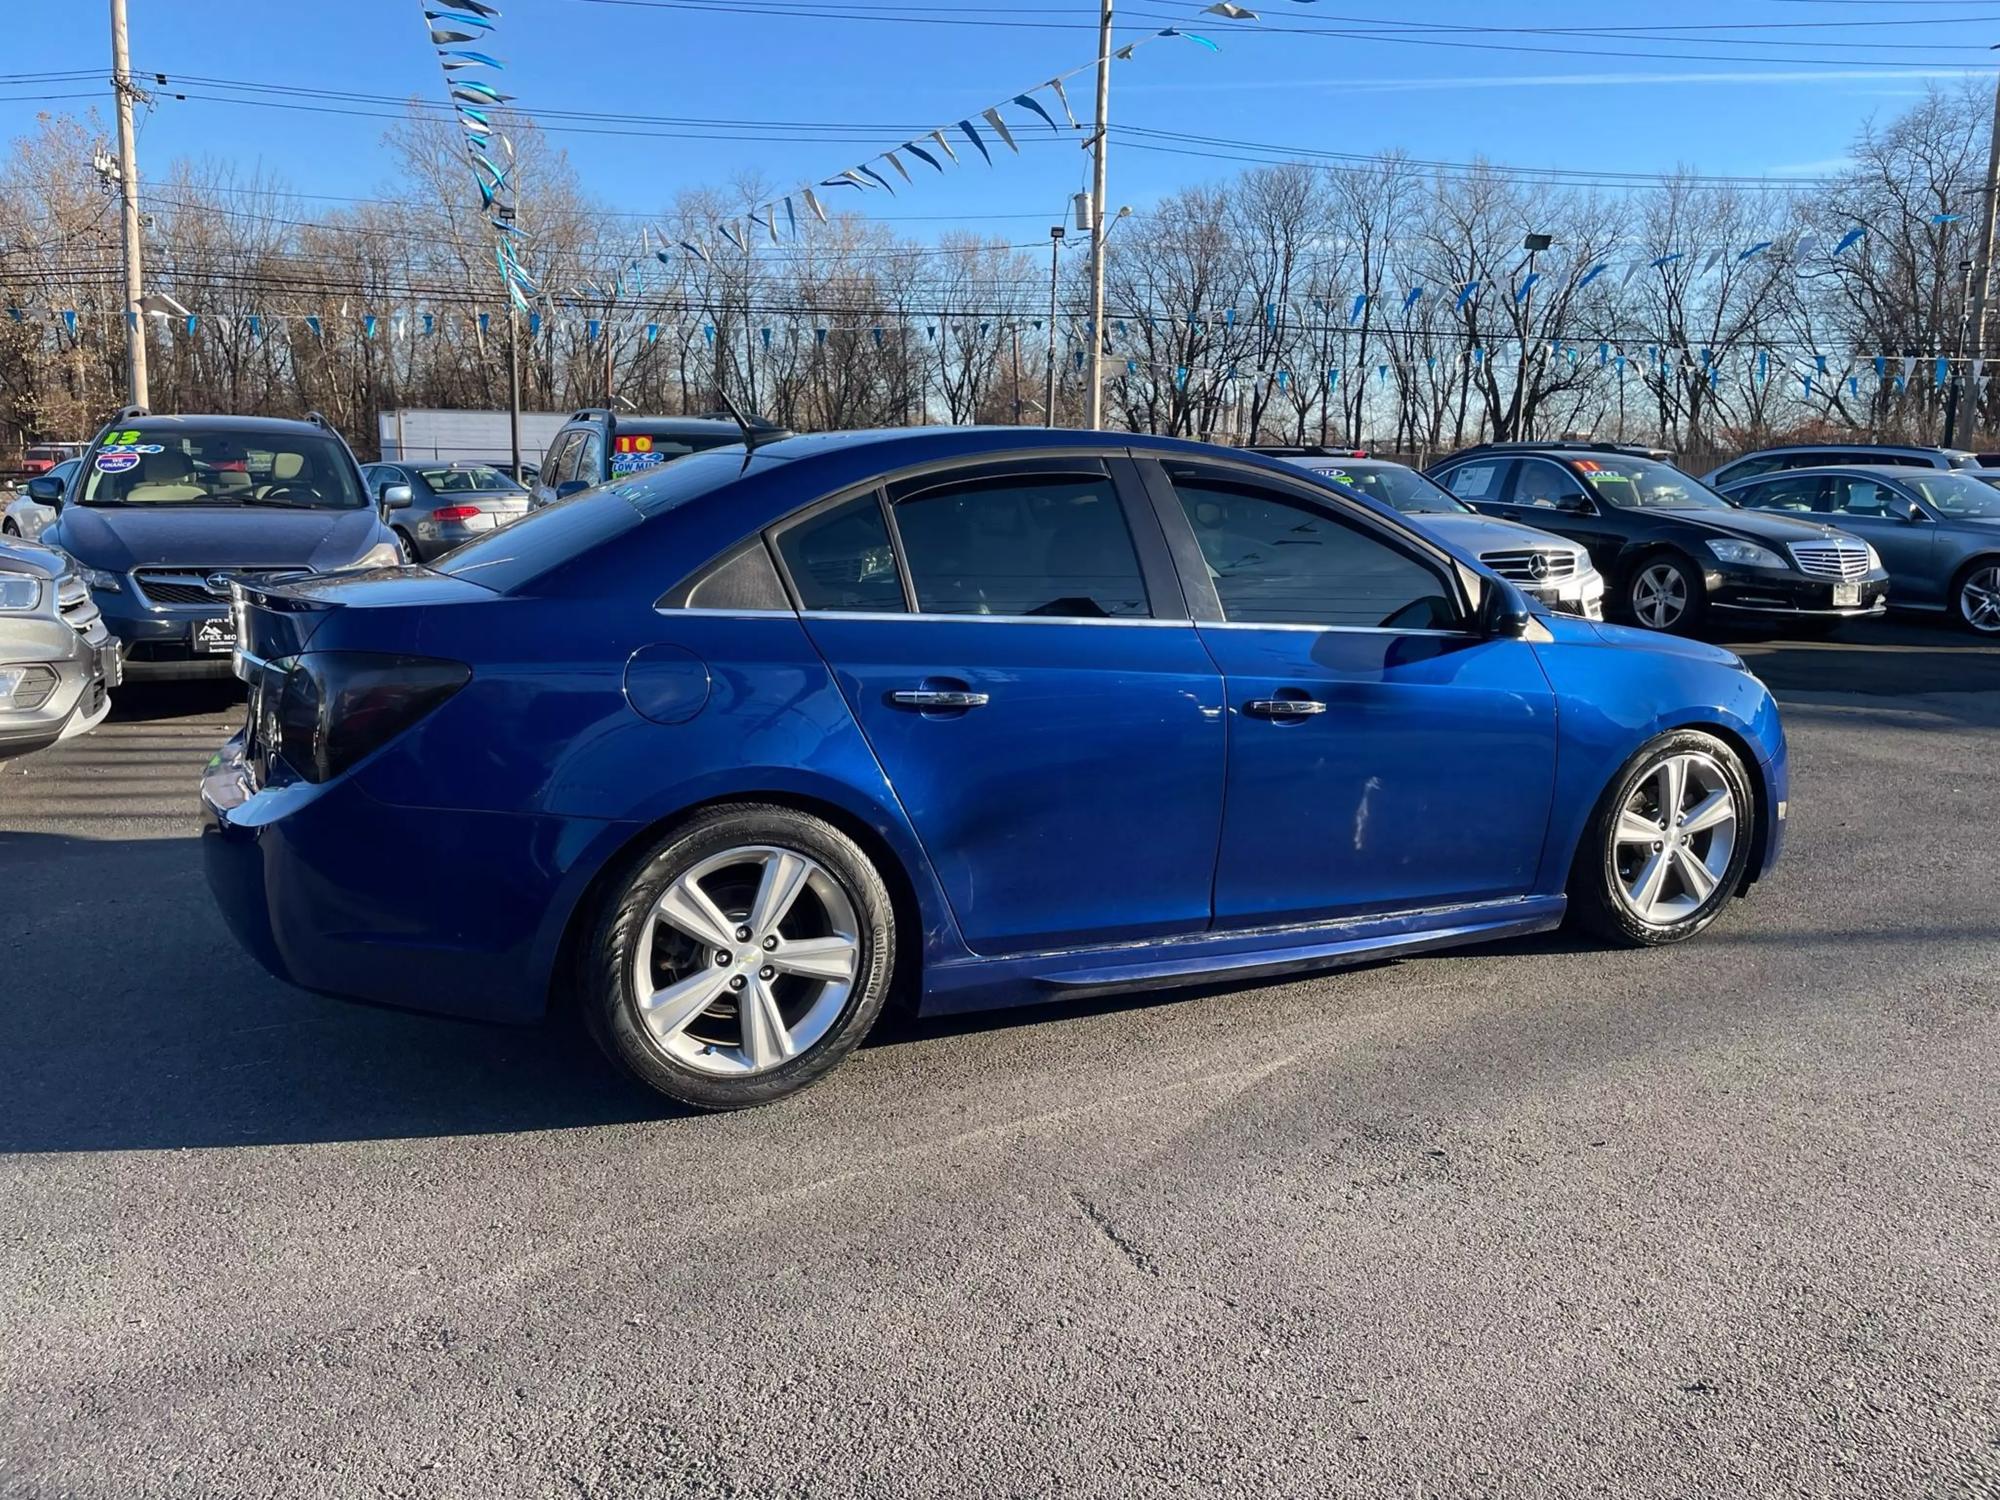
58 662
1824 455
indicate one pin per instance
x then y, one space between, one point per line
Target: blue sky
1718 101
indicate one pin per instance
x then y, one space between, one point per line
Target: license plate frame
1847 596
213 637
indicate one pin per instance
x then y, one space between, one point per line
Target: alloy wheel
1674 839
1979 599
1660 596
746 960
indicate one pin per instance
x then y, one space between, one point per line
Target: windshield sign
175 466
1644 484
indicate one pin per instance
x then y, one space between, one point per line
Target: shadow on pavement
1897 658
134 1022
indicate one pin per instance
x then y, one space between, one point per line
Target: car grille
1837 557
1521 564
190 586
75 604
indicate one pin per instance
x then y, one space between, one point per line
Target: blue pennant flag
1465 294
819 335
534 324
312 322
1940 371
1284 378
877 333
1270 315
485 321
1360 301
1410 300
1180 378
69 322
1527 284
1228 317
1332 379
1852 237
766 332
590 327
1593 273
367 326
1881 367
1819 363
256 326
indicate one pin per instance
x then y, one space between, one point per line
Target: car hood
121 538
1753 525
26 557
1476 534
1630 638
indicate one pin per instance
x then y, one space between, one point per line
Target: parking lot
1540 1219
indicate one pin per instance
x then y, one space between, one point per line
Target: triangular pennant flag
69 322
652 333
312 322
1410 300
1852 237
1063 99
870 171
972 135
1593 273
367 326
791 219
813 203
895 161
943 144
1360 301
694 249
1465 294
1027 102
992 117
534 324
923 156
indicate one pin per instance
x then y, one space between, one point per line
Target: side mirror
46 488
1503 611
1915 513
396 497
571 487
1576 505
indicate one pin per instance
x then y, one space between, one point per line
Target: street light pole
1055 246
1956 391
1534 244
138 390
1094 408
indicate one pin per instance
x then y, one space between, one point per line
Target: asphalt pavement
1539 1219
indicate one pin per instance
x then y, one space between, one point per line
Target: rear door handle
936 698
1284 708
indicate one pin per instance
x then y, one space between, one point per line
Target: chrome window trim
1457 635
916 615
671 612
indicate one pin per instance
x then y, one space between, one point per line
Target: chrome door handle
934 698
1284 708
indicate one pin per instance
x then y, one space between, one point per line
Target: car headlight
1744 554
19 594
1874 558
381 555
97 578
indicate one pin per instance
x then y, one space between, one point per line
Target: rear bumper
454 913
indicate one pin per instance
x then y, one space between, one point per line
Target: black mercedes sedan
1672 550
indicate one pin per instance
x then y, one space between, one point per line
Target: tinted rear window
542 541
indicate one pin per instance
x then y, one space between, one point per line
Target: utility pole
1983 278
1055 246
138 391
1094 407
1017 374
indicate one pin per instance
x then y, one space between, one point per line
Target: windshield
180 465
469 480
1392 484
1644 484
1952 493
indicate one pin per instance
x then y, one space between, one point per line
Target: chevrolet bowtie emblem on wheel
1538 565
217 584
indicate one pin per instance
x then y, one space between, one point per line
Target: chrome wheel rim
745 961
1979 600
1676 833
1659 596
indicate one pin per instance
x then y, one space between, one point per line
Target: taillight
339 706
455 512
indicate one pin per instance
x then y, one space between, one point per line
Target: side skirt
1208 958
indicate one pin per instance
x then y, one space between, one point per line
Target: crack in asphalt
1138 1258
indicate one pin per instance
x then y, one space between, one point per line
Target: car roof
841 458
224 423
1884 471
1838 446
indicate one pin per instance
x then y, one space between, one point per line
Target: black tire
9 529
1596 891
1957 597
610 1002
1693 588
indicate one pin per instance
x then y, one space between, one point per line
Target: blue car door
1012 641
1382 755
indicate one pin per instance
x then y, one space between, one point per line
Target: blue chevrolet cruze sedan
727 753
